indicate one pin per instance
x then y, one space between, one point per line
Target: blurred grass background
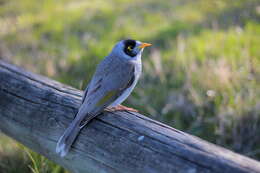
202 74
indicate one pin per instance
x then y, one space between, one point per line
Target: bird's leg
125 108
120 108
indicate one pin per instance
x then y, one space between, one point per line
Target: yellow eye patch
129 48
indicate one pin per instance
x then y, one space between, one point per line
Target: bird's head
129 49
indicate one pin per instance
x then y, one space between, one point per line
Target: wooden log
35 111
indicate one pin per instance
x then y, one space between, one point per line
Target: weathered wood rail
35 111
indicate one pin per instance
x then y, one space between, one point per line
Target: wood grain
35 111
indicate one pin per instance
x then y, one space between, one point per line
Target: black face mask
129 47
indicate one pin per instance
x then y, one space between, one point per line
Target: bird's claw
120 108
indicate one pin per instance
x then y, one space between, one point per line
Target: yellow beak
143 45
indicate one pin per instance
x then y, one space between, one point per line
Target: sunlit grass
14 157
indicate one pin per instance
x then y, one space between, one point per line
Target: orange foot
121 108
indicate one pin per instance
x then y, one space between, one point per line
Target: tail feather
67 139
70 134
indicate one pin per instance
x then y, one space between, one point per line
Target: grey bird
113 81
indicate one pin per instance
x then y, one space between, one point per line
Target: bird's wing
109 82
84 95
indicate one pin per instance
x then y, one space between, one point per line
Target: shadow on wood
35 111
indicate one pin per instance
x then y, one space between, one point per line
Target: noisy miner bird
113 81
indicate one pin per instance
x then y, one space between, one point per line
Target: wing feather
111 79
84 95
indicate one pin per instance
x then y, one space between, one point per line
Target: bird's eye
130 48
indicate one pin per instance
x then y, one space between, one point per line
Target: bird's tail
68 137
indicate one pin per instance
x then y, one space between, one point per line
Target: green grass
202 74
14 157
